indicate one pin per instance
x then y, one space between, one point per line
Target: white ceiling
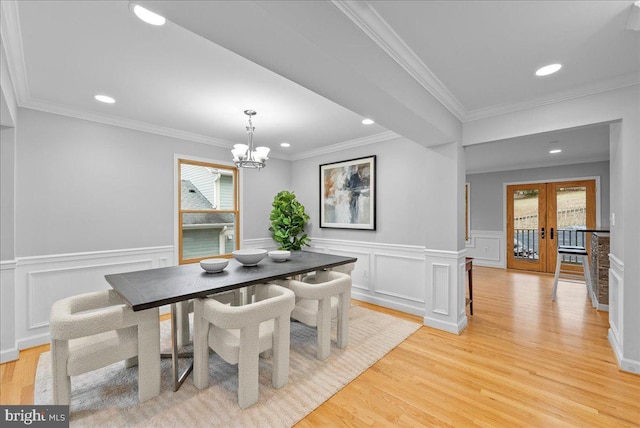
476 57
485 52
578 145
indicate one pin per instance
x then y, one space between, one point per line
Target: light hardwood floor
522 361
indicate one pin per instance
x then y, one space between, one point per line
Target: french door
541 216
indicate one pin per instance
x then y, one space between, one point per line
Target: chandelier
244 155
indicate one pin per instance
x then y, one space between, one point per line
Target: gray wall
7 169
401 199
85 186
488 207
257 195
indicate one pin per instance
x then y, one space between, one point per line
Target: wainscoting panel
440 290
385 274
400 276
616 275
360 276
42 280
8 348
487 247
445 304
45 287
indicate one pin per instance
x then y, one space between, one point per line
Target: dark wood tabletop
157 287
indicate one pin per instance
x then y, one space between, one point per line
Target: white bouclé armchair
239 334
93 330
321 297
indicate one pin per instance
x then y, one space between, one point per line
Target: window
208 210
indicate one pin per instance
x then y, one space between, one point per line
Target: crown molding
373 25
538 165
358 142
364 15
11 36
612 84
126 123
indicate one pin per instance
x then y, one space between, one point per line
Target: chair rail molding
445 307
266 243
36 282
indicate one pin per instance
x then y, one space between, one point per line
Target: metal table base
178 378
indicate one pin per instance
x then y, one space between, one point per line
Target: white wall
8 102
622 108
8 349
7 205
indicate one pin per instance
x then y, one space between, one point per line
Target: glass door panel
571 209
526 221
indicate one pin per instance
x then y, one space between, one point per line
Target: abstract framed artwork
348 194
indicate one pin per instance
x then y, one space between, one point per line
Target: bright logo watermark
37 416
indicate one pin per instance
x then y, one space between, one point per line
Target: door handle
542 233
551 237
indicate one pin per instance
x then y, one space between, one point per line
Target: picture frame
348 194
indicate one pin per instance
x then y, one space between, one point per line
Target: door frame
598 206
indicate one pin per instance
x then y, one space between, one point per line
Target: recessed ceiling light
554 151
104 99
367 122
285 144
147 16
548 69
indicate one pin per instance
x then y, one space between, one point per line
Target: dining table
150 288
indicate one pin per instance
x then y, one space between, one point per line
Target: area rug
109 397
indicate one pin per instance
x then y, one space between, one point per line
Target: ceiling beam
316 46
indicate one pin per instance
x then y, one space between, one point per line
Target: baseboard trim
34 341
419 311
624 364
7 355
446 326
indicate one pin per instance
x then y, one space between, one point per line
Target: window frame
235 211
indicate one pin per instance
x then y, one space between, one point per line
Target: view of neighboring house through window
208 210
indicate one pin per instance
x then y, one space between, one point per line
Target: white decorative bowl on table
249 256
214 265
279 255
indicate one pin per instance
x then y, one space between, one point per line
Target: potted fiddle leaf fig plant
288 220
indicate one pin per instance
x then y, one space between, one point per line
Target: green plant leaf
288 219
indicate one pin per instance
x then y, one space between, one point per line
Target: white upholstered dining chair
93 330
239 334
321 297
184 308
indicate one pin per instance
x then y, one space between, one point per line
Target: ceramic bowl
250 256
279 255
214 265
